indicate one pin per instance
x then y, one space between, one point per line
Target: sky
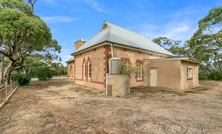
70 20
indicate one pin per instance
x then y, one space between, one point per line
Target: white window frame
139 71
89 69
189 72
84 70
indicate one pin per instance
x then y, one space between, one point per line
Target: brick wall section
98 68
99 65
69 75
134 57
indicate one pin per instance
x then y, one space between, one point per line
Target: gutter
122 46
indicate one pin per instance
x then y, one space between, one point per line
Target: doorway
153 77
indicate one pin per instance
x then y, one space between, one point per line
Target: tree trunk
1 68
7 72
24 71
29 71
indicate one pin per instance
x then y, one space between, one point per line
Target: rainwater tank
114 65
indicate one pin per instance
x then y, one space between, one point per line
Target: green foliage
22 79
206 43
171 45
44 73
211 76
128 68
214 76
58 68
23 33
5 100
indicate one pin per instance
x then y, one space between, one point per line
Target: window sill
138 80
190 78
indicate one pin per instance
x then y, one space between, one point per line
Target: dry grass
57 106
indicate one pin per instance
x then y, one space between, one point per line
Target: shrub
44 73
128 68
215 76
5 100
211 76
22 79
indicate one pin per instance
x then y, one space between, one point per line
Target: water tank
114 65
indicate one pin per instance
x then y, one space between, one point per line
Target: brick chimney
79 43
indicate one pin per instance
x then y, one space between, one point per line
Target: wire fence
7 90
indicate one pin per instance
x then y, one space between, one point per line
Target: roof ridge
108 34
127 29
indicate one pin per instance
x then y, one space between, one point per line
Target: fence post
6 89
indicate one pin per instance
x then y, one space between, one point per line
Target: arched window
84 69
139 71
70 70
89 69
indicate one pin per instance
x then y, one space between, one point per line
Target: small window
139 71
89 69
84 65
189 73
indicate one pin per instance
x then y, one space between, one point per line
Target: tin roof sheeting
71 59
119 35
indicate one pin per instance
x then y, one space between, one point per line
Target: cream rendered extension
153 77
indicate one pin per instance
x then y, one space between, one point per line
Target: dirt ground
57 106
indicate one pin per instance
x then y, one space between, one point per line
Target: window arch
139 71
71 70
84 69
89 69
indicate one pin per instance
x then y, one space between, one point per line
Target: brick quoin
106 54
74 71
96 57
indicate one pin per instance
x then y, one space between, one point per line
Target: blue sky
70 20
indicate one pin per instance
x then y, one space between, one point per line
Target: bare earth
57 106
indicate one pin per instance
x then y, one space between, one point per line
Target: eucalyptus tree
58 66
22 33
206 43
171 45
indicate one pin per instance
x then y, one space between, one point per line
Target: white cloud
97 6
172 30
57 19
180 25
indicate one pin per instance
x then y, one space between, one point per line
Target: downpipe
109 72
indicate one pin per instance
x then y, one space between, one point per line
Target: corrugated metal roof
71 59
120 35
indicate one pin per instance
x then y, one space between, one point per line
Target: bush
44 73
212 76
128 68
22 79
215 76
